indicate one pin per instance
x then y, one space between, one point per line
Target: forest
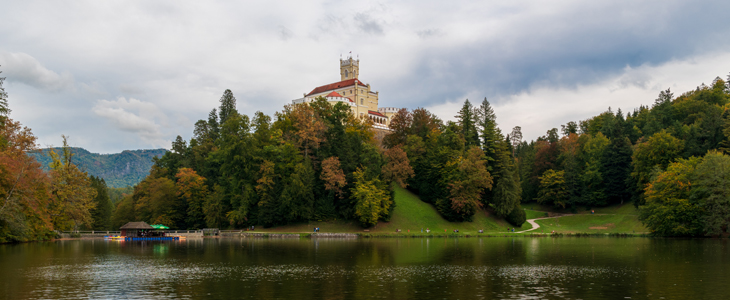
317 161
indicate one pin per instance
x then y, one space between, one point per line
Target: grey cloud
285 33
368 24
23 68
429 33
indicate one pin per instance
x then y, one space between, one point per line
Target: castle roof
372 112
336 85
334 94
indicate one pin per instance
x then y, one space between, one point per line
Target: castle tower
349 68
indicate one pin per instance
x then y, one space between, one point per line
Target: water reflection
491 268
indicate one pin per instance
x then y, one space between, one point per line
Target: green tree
228 106
594 188
298 195
466 120
467 179
102 211
73 195
711 190
486 122
669 209
616 168
552 189
657 152
371 201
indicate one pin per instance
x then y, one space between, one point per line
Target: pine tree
228 106
102 211
486 122
466 120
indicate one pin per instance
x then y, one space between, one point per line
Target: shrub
517 217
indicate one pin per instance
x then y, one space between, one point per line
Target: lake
367 268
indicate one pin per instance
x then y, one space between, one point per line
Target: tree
656 152
486 122
466 183
552 189
228 106
401 127
371 202
711 190
570 128
669 209
214 208
397 167
73 195
191 188
594 188
332 175
466 120
24 188
310 128
517 217
616 168
515 138
298 195
102 211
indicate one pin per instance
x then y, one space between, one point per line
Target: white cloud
24 68
134 116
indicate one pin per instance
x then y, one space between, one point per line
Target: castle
350 90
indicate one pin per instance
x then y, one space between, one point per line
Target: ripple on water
135 278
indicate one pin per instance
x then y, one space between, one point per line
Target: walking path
535 225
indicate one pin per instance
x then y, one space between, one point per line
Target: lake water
378 268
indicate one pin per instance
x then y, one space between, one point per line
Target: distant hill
118 170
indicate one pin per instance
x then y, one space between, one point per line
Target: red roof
333 94
336 85
372 112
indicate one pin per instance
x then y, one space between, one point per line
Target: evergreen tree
466 120
616 167
486 122
102 211
228 106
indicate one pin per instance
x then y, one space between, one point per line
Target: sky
123 75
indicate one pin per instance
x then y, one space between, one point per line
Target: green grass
533 214
598 223
412 214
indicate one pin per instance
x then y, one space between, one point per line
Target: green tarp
160 226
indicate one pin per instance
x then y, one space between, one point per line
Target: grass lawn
412 214
598 223
533 214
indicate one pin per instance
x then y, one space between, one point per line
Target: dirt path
535 225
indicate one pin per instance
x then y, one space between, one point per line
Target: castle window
346 74
361 101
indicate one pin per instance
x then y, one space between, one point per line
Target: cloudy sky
116 75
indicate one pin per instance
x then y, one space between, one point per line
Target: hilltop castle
350 90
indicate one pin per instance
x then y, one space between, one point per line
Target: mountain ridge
126 168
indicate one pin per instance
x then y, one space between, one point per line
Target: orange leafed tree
310 127
334 178
397 167
24 193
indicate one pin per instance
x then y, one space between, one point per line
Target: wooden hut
135 229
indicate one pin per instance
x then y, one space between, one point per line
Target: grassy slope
411 214
616 219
